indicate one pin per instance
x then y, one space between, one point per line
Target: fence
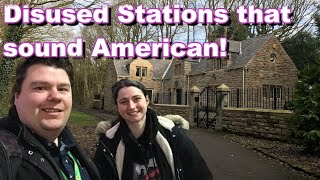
207 99
262 98
171 98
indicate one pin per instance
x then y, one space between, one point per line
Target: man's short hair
22 68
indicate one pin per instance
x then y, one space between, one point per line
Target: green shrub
307 107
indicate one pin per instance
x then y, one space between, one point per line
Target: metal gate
206 108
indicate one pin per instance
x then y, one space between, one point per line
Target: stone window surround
273 57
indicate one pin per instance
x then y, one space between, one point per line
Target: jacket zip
110 158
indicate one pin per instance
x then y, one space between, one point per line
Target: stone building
259 62
149 72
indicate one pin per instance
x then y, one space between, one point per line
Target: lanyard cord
76 168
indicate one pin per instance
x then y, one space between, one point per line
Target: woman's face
132 104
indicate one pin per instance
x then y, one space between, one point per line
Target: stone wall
272 124
149 81
177 80
262 70
231 78
164 109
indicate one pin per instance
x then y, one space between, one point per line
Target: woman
144 146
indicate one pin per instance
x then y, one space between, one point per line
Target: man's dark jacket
37 164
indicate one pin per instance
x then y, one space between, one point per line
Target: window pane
144 72
138 71
279 92
265 92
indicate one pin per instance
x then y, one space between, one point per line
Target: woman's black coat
189 165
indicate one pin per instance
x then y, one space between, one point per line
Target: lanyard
76 168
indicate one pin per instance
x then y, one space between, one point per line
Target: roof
246 50
169 73
195 68
121 66
249 48
159 67
199 68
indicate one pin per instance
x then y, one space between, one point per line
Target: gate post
194 104
222 92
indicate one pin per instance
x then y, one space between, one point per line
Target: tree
89 80
307 107
303 49
300 8
307 93
235 31
29 33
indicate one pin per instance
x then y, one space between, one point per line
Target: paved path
228 160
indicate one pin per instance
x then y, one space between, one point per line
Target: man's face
132 104
45 101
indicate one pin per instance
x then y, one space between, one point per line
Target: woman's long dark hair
126 83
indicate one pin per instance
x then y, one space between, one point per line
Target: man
42 104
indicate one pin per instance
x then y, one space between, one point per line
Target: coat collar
110 131
26 133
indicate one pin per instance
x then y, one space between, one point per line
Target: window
265 91
138 69
279 92
271 91
141 71
150 95
144 72
273 57
177 69
156 99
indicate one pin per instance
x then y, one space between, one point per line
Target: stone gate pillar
193 104
222 92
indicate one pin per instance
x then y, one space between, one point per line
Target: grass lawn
81 119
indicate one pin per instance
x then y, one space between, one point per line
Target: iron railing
262 98
171 98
